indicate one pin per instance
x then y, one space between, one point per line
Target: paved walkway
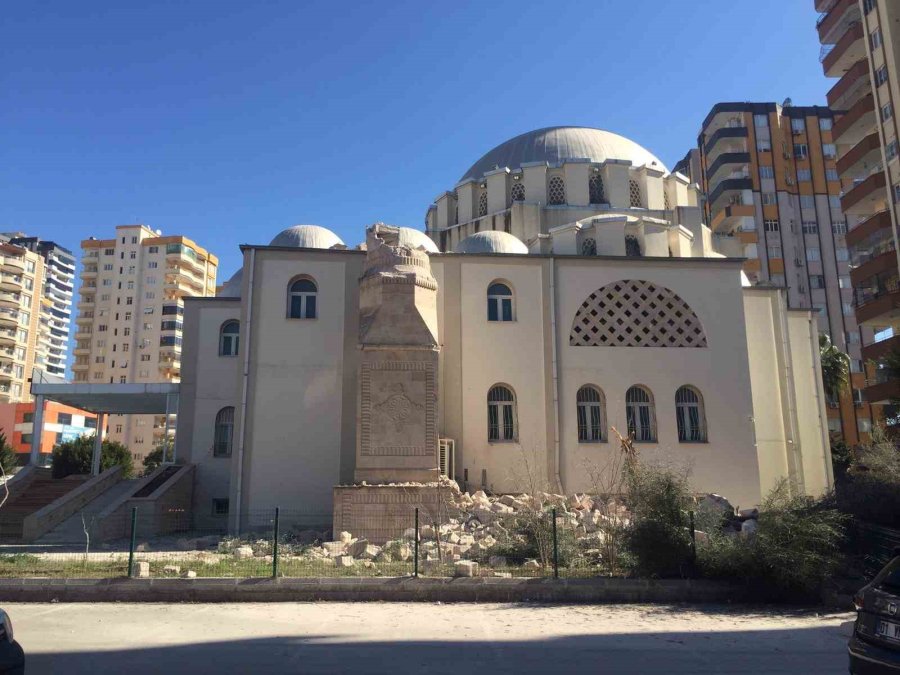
365 638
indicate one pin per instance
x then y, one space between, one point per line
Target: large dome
417 239
306 236
491 241
556 144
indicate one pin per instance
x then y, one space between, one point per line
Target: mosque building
566 287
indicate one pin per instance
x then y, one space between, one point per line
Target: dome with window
554 145
307 236
491 241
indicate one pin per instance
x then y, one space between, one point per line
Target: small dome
307 236
416 238
491 241
232 287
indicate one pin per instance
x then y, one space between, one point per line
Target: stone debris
172 569
190 574
466 568
243 552
344 561
142 570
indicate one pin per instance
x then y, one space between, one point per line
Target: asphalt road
462 639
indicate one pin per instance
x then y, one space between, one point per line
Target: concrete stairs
71 530
43 490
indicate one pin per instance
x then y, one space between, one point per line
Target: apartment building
56 299
861 48
773 196
61 423
129 325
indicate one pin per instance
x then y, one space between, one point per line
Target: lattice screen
595 189
556 191
635 193
635 313
518 192
482 204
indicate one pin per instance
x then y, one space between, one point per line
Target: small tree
74 457
8 459
835 367
154 459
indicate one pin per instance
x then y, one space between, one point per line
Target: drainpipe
245 376
554 371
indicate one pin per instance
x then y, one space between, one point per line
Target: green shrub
658 542
74 457
796 547
8 459
530 536
870 488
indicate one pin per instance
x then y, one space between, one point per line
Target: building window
302 299
766 172
640 414
220 507
690 415
771 226
887 112
591 425
760 121
499 302
764 145
556 191
224 432
595 189
864 425
807 202
816 281
841 254
804 175
801 151
831 174
64 418
798 126
774 251
844 281
769 199
501 414
810 227
812 254
482 203
518 192
881 76
634 191
826 123
892 150
228 338
589 246
834 202
869 5
875 39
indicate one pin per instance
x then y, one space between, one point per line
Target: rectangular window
145 357
28 417
812 254
844 281
797 126
801 151
126 332
106 282
807 202
875 39
153 249
766 172
763 145
831 174
771 226
834 202
892 149
826 123
26 439
897 194
881 76
132 255
887 112
152 265
220 507
64 418
817 281
829 150
869 5
841 254
774 250
760 120
804 175
847 308
853 337
109 251
810 227
769 199
149 295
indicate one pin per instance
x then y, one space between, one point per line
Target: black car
12 658
875 645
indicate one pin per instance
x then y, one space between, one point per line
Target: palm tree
835 368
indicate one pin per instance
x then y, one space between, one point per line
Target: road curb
400 589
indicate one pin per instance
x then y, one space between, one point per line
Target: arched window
502 414
589 246
500 302
595 189
556 191
302 299
690 415
224 432
518 192
591 415
482 204
228 338
640 415
634 191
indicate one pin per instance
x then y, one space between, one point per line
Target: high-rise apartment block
772 196
861 46
130 311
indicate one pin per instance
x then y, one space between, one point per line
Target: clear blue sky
228 121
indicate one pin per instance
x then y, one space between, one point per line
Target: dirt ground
427 638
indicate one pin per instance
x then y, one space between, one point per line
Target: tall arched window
589 246
502 425
690 415
500 302
591 415
228 338
224 432
595 189
634 191
556 191
518 192
482 204
302 299
639 414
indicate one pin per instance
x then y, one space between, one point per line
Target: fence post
133 540
693 538
555 549
416 547
275 547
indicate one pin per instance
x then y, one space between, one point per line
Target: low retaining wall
404 589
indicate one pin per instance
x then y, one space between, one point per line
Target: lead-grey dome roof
232 287
306 236
491 241
556 144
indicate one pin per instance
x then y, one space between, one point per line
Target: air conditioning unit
446 457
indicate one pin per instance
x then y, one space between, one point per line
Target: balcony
13 264
724 159
861 157
882 390
848 50
732 217
882 260
9 317
881 307
89 272
729 185
868 227
833 25
7 336
867 196
725 133
86 290
856 123
851 87
10 282
10 300
875 351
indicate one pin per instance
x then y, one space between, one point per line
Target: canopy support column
98 444
37 431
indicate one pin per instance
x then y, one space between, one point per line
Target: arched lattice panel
636 313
